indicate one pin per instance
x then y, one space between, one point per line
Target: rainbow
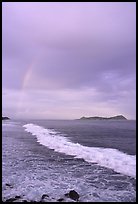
28 75
26 81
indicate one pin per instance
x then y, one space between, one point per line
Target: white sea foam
106 157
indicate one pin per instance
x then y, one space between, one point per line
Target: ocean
97 159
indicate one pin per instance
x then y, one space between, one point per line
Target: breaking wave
106 157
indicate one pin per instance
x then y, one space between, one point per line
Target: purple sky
67 60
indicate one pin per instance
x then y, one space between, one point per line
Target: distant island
5 118
118 117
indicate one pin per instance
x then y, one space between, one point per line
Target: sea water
95 158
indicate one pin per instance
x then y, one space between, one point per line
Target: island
117 117
5 118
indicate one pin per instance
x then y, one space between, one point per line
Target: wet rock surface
60 199
8 185
72 195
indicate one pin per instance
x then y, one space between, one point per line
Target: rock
11 199
60 199
74 195
44 198
44 195
8 185
17 197
5 118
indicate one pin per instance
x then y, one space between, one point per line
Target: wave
106 157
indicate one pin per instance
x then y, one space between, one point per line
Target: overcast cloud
66 60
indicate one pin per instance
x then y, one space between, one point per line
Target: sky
66 60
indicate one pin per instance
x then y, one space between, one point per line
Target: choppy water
95 158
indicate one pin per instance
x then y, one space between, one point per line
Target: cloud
70 104
55 47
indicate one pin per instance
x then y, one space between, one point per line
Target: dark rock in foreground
5 118
44 198
73 195
11 199
17 197
60 199
8 185
44 195
118 117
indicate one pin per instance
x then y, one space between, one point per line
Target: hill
118 117
5 118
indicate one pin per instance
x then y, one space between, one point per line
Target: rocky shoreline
71 196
